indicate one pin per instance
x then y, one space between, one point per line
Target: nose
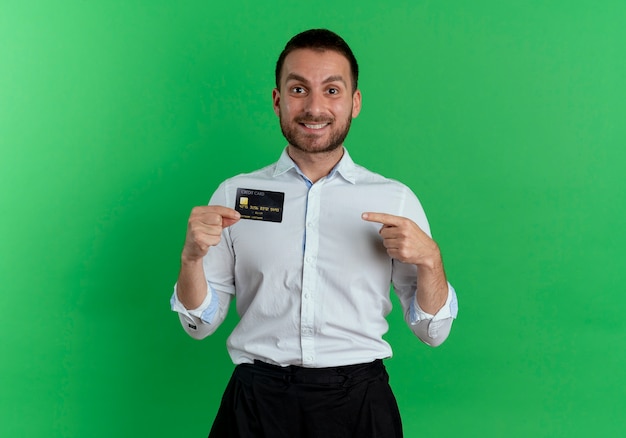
315 103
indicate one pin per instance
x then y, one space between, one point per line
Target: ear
356 103
276 101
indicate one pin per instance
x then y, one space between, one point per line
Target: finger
227 221
229 216
226 212
382 218
215 215
216 209
387 232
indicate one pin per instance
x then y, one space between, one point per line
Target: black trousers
267 401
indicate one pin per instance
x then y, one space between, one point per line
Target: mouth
316 125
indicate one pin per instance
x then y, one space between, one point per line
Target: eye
333 91
297 90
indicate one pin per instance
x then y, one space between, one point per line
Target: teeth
320 126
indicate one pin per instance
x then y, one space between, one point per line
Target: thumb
228 222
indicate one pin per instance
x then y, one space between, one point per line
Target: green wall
507 118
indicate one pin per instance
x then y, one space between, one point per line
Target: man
309 246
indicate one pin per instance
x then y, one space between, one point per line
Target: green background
507 118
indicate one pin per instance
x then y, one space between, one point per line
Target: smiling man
313 302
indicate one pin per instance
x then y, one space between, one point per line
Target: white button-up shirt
314 289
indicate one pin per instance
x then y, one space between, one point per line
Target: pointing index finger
382 218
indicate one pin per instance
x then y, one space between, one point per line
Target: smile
317 126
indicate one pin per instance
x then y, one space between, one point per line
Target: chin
311 149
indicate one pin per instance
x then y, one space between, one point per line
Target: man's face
315 102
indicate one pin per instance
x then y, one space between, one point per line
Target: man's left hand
405 240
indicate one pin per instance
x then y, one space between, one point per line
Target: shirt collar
346 167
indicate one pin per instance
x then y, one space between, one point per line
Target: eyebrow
332 78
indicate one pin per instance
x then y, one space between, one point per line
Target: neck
315 166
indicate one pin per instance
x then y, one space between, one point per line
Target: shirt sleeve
205 319
449 310
433 329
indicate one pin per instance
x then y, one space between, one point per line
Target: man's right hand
204 229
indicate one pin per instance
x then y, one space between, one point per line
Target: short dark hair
319 39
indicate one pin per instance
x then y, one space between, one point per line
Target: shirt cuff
449 310
205 312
